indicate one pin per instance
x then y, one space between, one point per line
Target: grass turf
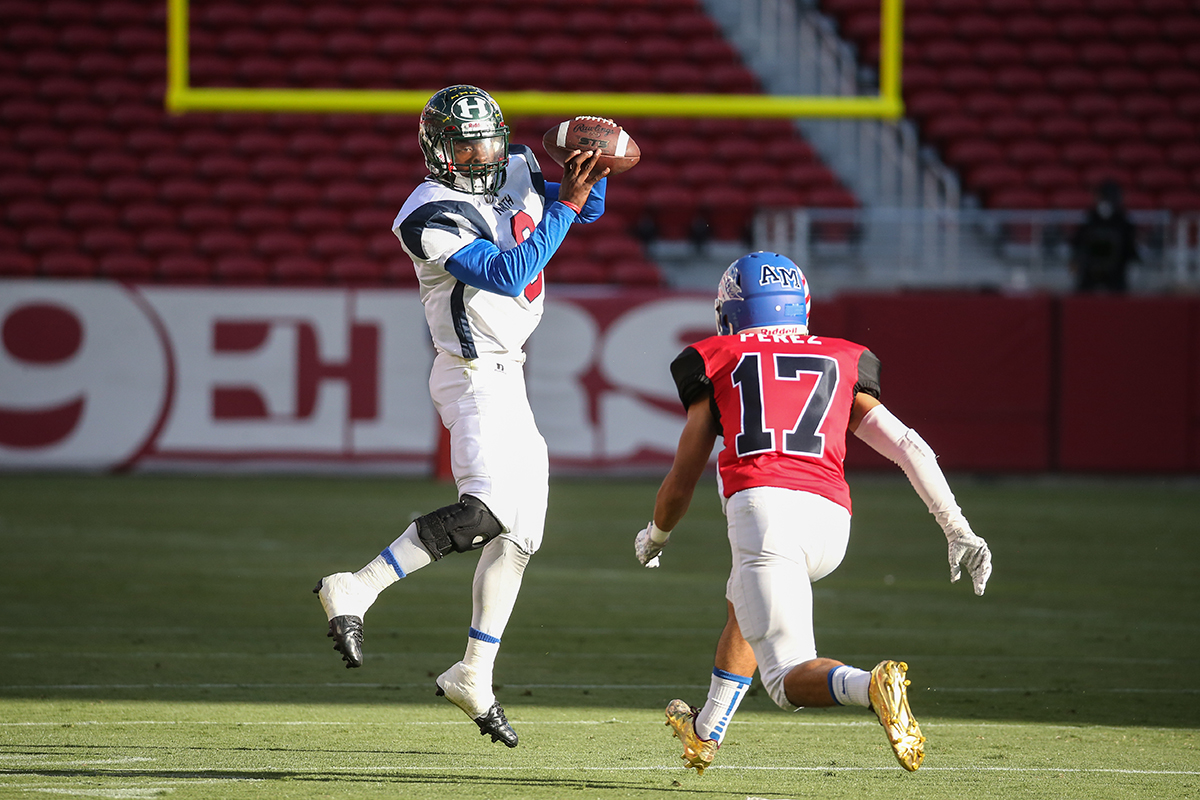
162 640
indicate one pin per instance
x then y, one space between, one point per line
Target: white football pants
782 541
496 451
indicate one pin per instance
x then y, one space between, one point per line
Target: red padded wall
970 372
1128 373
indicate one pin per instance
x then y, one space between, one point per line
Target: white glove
645 546
969 551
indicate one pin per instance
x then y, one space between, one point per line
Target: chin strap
899 443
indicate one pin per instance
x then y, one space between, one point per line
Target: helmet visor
471 152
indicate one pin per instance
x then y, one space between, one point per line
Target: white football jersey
436 222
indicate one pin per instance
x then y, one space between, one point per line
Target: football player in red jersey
782 400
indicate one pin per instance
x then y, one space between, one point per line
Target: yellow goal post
181 96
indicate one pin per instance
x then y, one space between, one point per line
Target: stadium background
105 194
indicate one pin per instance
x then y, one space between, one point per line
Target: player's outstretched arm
891 438
675 494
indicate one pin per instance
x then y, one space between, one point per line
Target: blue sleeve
593 208
483 265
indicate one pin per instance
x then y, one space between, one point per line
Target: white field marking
869 723
116 794
47 761
139 655
969 768
424 685
597 686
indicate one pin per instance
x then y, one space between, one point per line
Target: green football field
161 640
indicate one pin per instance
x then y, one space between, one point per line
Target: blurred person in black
1105 244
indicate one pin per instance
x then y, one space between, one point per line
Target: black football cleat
345 601
347 634
495 724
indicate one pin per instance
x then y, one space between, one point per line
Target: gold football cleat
889 700
698 753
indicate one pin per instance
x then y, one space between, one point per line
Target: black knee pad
467 525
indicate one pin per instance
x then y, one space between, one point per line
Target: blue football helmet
762 289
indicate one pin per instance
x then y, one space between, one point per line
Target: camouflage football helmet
465 140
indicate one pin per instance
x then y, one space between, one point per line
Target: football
618 151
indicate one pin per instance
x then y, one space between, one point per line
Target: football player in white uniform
480 230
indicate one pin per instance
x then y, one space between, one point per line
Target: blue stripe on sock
483 637
390 557
729 676
832 693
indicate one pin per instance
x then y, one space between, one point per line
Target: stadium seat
202 216
991 176
296 267
84 213
126 266
182 266
1006 127
1063 128
67 264
101 239
1085 153
240 267
14 264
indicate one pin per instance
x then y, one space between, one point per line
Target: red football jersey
782 400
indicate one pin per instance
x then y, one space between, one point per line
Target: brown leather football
618 151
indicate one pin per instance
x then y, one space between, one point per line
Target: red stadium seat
1006 127
67 264
1081 27
296 268
1032 151
50 237
182 266
1085 153
355 268
1041 103
1125 80
1052 177
1071 197
27 213
85 213
1017 198
1138 154
240 267
1160 178
16 264
1063 128
102 239
952 127
992 176
128 266
1116 129
276 243
1142 106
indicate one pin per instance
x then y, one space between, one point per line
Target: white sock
725 693
481 655
848 685
402 557
493 595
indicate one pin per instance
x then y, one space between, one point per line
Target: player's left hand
970 552
646 549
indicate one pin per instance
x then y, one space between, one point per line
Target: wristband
572 206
